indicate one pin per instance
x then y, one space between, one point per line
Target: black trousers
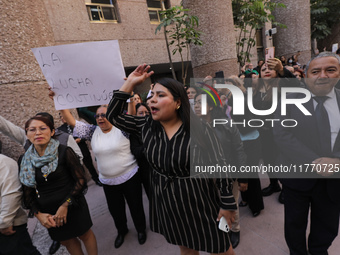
18 243
324 219
253 194
131 191
145 174
269 151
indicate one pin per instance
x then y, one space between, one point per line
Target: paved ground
261 235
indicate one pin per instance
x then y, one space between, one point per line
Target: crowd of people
151 143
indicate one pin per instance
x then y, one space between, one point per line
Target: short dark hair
46 115
248 81
142 104
43 119
301 72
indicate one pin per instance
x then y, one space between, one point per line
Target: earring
178 107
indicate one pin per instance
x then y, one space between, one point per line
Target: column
219 50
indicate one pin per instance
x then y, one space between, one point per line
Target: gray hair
322 55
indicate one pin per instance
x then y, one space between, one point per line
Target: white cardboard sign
82 74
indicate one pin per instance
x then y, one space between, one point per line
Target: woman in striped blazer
185 206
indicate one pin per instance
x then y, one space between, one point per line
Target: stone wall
137 39
23 89
41 23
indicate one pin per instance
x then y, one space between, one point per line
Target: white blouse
116 164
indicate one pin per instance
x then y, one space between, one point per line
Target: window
102 11
154 7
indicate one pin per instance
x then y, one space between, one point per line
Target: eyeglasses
34 130
97 116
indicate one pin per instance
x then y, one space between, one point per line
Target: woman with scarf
54 186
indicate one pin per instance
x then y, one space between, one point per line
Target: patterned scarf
31 159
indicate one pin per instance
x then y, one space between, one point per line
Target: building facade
41 23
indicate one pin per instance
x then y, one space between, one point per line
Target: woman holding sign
185 205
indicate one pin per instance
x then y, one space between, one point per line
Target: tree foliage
324 15
250 15
181 30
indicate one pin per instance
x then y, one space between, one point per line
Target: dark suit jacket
300 145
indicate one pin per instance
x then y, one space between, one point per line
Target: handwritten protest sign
82 74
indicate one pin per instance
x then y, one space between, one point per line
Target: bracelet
69 201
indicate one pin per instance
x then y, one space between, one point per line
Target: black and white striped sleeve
224 182
115 115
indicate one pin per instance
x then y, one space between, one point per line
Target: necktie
324 128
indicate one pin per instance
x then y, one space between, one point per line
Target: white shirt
115 162
11 213
332 108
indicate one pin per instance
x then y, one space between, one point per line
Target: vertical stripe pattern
182 209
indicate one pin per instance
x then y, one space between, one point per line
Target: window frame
162 2
101 14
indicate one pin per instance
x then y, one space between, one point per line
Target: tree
324 15
250 15
180 27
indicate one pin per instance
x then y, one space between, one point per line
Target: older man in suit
315 140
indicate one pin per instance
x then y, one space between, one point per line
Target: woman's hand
276 64
138 76
228 215
207 78
61 215
51 93
242 186
243 69
46 220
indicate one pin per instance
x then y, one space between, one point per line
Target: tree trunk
169 55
